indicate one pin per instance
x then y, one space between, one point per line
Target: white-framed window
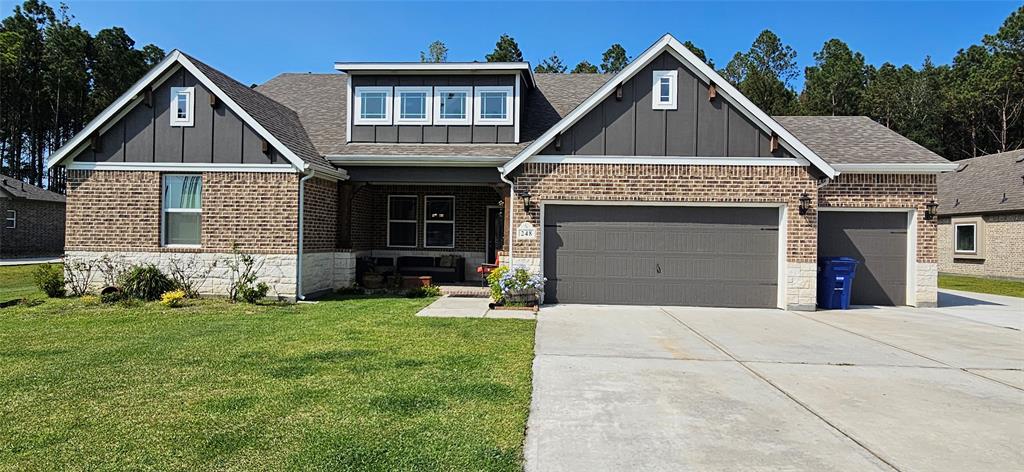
12 219
453 105
402 220
182 210
372 106
183 104
663 95
413 105
965 238
493 105
439 222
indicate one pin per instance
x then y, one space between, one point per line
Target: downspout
299 295
511 196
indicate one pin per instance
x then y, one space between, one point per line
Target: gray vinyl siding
434 133
697 127
144 133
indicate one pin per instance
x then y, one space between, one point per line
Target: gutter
929 168
299 295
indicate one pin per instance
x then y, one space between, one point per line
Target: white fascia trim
700 161
438 67
182 167
158 70
417 161
896 168
667 42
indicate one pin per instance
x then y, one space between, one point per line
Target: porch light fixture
526 201
805 203
930 210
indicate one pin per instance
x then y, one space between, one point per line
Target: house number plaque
526 231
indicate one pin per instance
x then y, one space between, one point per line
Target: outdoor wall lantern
805 203
526 201
930 210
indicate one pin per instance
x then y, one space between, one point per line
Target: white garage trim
783 227
911 296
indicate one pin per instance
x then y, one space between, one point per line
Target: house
33 220
981 217
660 184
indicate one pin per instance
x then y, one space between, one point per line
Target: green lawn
340 385
981 285
16 282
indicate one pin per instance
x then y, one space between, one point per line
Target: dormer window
664 92
373 106
182 106
412 105
452 105
493 105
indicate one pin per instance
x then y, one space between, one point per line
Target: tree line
972 107
55 77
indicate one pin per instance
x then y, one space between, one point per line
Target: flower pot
373 281
523 297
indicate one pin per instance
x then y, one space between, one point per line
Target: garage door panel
675 256
879 240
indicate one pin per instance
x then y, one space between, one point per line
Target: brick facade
38 231
370 213
888 191
1002 240
320 221
120 210
738 185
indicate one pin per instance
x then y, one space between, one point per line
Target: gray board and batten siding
144 134
697 127
436 134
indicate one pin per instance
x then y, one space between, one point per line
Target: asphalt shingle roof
985 184
19 189
279 120
856 140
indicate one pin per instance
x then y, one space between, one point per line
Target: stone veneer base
278 270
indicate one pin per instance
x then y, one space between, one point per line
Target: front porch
408 225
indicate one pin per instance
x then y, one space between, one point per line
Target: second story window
452 105
372 106
493 105
664 93
412 105
182 106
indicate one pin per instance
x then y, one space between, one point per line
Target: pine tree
552 64
584 67
835 84
505 50
614 59
436 52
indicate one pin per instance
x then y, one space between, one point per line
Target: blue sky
253 41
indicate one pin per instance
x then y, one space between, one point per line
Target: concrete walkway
669 388
470 307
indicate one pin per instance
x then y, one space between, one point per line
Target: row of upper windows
490 105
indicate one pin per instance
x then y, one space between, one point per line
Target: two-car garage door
661 255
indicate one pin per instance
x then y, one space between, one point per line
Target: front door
495 232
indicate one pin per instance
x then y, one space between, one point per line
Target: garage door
659 255
879 240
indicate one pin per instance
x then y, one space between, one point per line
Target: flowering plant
514 283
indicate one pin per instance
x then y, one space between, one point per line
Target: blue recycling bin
835 282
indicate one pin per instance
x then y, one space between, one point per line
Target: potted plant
516 286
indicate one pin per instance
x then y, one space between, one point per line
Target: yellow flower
173 299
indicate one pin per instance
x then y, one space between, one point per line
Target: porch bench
441 269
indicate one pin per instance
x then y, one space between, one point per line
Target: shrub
78 275
50 279
253 293
145 282
111 296
424 292
492 279
173 299
189 274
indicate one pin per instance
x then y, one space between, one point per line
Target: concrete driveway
652 388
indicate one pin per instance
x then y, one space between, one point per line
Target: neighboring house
661 184
31 220
981 223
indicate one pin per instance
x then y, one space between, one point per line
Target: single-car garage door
661 255
879 241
